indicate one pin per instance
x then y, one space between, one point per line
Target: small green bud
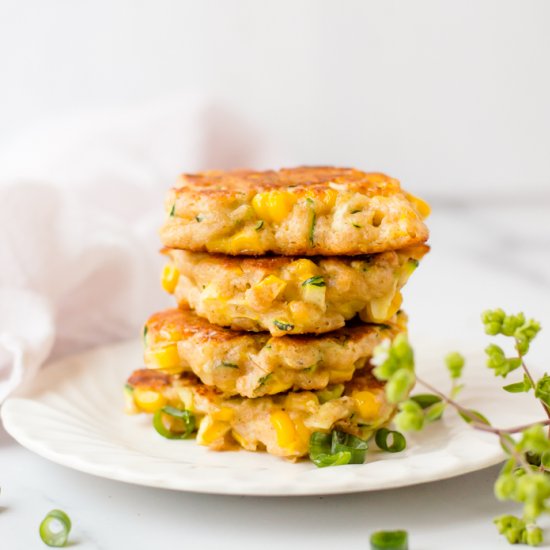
505 486
399 385
503 523
534 440
511 323
493 319
455 364
525 334
514 535
533 535
410 417
497 361
542 389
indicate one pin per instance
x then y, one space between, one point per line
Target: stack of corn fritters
285 282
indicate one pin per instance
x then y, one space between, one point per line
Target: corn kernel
167 357
244 241
169 279
225 414
148 401
211 430
273 206
284 428
304 269
324 199
269 288
367 404
421 206
239 439
385 307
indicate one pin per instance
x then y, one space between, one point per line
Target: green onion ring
426 400
55 528
389 540
398 440
187 417
336 449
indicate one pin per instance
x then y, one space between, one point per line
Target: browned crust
301 179
187 324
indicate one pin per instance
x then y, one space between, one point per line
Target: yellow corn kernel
303 269
246 240
148 401
341 375
421 206
284 428
169 279
385 307
167 357
239 439
273 206
302 435
225 414
367 404
211 430
324 199
269 288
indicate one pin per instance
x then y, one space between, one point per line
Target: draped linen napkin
81 200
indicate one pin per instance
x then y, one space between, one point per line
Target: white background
452 97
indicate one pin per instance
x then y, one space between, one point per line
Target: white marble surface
482 257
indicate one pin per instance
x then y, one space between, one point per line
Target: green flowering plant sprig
525 477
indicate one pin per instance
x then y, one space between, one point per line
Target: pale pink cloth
80 204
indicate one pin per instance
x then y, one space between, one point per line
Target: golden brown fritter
299 211
288 295
255 364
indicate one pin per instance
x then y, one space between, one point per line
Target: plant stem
475 421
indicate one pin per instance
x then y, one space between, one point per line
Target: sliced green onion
356 225
283 326
145 331
259 225
173 210
343 442
183 418
426 400
384 436
389 540
336 449
55 528
199 218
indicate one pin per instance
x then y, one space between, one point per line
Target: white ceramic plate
73 415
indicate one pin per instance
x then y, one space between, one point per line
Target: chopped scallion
390 441
182 423
55 528
389 540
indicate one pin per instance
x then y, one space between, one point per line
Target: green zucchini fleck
229 365
283 326
317 280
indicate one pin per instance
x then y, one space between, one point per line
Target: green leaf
426 400
435 412
474 416
518 387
